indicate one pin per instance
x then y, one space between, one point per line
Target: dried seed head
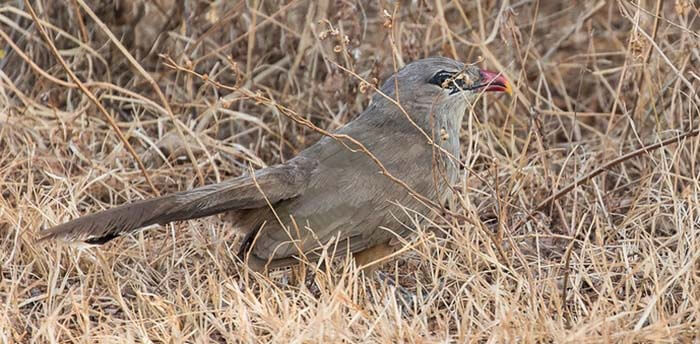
363 87
444 135
388 20
682 7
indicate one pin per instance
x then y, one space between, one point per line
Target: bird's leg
372 257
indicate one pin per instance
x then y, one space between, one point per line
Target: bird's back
349 197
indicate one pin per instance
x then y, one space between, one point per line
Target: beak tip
509 89
499 79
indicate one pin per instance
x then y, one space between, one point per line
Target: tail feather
271 185
103 226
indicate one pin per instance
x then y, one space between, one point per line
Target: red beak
495 82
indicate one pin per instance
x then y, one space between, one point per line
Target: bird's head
441 84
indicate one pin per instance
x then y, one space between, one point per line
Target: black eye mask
440 77
448 80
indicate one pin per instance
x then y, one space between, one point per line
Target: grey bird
334 197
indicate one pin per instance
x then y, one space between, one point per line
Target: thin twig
646 149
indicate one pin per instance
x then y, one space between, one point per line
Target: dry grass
615 259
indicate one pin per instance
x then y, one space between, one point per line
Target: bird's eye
441 78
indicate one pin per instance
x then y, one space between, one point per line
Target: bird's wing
272 184
349 197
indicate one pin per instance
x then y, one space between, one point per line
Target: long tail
101 227
272 185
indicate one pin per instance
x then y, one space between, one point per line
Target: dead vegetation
614 259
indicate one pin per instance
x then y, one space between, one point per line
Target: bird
348 193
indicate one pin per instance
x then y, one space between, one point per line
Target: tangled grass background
176 94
